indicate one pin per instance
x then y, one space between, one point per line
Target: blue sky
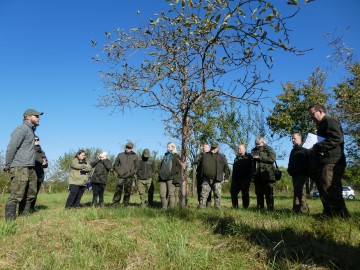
46 64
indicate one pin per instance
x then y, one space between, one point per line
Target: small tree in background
290 113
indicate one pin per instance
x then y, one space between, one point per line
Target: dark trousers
98 192
264 188
38 187
299 201
123 185
75 195
236 187
328 181
32 205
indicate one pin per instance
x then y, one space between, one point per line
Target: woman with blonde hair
78 177
169 176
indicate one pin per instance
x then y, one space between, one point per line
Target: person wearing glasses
328 162
20 163
78 177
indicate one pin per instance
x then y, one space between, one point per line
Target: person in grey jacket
145 178
102 166
40 164
126 165
20 162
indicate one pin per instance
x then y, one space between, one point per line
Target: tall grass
153 238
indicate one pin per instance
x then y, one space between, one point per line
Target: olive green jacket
263 167
79 172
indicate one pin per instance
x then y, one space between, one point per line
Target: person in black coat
298 169
102 166
328 162
241 177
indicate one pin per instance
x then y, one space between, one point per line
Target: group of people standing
324 163
128 167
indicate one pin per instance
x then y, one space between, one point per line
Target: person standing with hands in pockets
20 163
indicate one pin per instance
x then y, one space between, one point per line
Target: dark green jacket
101 170
126 165
222 167
263 167
170 171
146 168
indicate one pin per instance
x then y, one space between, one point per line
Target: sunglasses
36 140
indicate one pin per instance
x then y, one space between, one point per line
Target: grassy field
153 238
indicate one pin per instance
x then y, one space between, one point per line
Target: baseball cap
32 112
146 153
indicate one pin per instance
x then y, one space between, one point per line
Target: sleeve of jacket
117 165
107 164
44 157
76 165
88 167
94 162
226 168
176 168
17 137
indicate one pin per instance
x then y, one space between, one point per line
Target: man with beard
20 162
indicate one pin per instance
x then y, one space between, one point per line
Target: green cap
146 153
214 144
32 112
129 145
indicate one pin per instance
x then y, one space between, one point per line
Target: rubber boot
10 212
27 209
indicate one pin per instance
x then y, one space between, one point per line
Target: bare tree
195 52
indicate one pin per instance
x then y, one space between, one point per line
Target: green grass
191 238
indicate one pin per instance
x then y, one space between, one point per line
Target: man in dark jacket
206 149
145 178
20 162
299 170
102 166
241 177
329 162
215 169
263 157
126 165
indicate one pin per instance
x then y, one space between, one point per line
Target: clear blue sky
46 64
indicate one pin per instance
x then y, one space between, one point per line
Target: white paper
311 139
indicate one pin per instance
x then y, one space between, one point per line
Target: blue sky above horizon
46 64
